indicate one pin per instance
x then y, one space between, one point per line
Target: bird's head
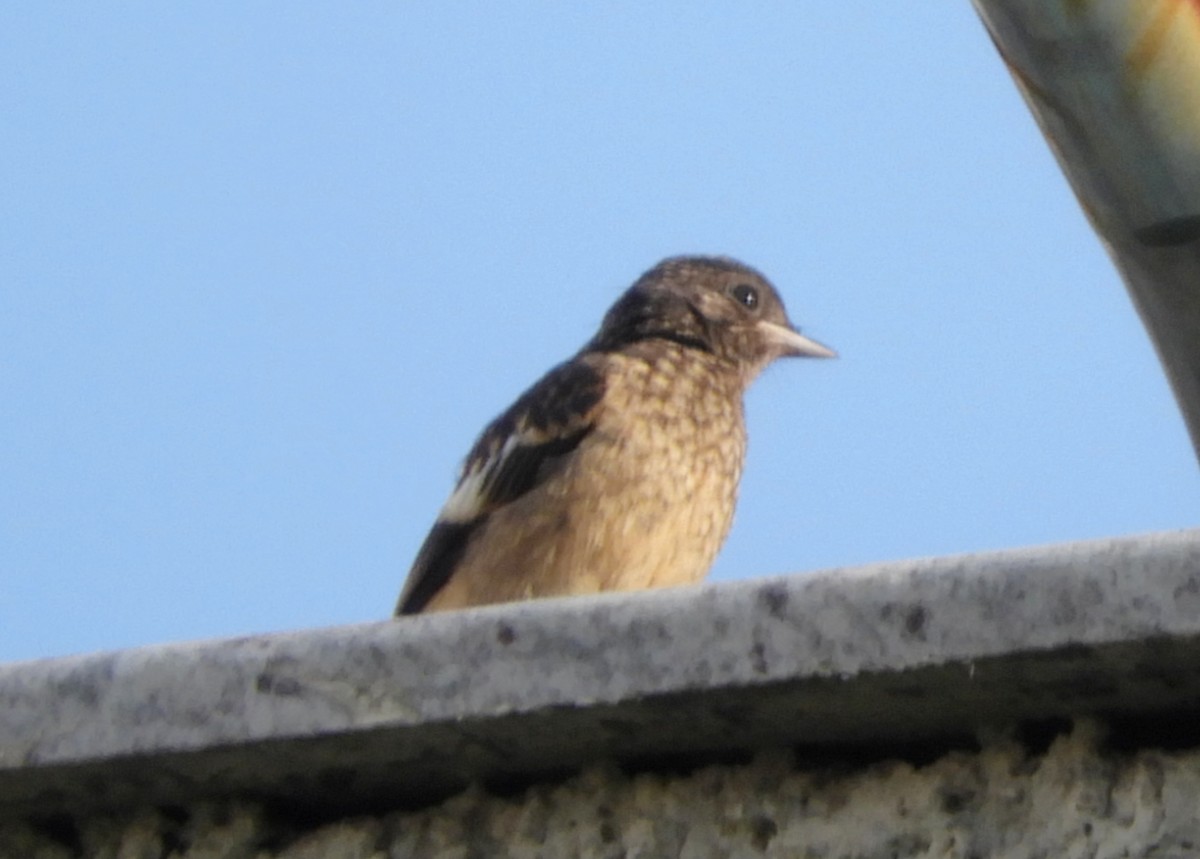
713 304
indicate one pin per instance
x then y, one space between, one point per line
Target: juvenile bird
619 468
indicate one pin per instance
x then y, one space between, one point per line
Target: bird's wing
518 451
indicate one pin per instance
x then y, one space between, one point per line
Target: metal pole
1115 87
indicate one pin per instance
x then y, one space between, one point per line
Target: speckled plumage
617 470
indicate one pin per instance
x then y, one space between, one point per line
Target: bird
619 468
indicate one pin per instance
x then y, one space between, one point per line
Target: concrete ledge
406 712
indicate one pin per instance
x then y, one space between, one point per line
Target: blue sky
266 271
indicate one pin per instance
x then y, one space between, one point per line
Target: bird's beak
792 343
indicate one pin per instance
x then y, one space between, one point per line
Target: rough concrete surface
416 709
1077 798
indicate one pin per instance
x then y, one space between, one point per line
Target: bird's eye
745 295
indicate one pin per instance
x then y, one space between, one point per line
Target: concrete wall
1077 798
1040 702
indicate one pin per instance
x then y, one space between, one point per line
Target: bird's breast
663 471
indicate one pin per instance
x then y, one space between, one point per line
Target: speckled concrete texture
417 709
1076 799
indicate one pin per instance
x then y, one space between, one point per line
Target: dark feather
549 421
439 555
528 465
643 313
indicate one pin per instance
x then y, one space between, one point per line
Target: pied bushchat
619 468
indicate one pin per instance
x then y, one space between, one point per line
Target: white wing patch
469 498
